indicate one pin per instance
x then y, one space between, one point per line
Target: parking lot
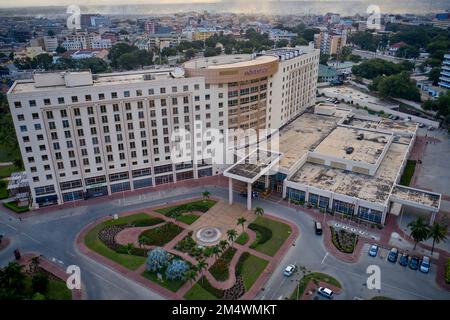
397 281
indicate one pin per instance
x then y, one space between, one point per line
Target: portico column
230 190
433 216
249 196
266 182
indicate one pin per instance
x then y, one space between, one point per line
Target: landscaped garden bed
343 240
166 270
159 236
313 276
100 239
17 284
178 211
220 269
242 239
12 205
250 267
270 235
447 271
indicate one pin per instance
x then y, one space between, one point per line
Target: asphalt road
53 235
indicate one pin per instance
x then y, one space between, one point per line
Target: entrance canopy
253 166
417 198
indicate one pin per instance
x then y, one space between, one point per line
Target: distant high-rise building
444 79
329 43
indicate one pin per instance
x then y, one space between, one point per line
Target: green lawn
199 205
5 171
188 218
172 285
12 205
313 275
408 172
57 289
280 232
251 269
198 293
93 242
242 239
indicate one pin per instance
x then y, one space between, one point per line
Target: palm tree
232 235
141 241
223 244
419 230
259 211
216 251
202 265
129 247
189 208
205 195
438 232
190 275
241 221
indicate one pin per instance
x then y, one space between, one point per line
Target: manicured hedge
263 234
220 268
161 235
200 205
13 206
244 256
147 222
204 283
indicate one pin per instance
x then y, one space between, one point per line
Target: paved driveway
53 234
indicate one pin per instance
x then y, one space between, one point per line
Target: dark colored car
318 228
254 194
404 259
393 255
414 263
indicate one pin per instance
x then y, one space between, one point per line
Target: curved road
53 235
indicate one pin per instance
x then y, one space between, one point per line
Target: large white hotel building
84 135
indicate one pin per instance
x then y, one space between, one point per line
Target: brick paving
5 243
131 237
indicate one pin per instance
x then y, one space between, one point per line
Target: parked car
414 263
325 292
373 251
318 228
254 194
393 255
425 265
404 260
421 125
289 270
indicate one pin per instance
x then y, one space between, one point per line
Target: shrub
157 260
263 234
161 235
220 268
242 239
40 282
204 283
176 211
177 269
244 256
13 206
147 222
344 241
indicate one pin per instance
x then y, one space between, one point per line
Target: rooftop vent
349 150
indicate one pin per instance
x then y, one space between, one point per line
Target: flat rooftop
254 164
99 80
419 196
355 94
375 188
303 135
229 61
394 126
367 145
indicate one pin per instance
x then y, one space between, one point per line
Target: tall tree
232 235
241 222
438 232
419 230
